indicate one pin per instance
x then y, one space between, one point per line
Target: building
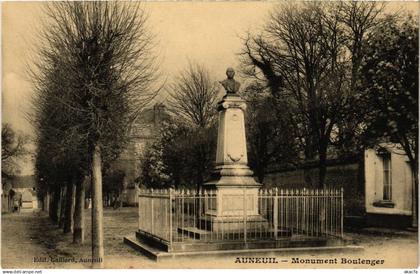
388 186
378 187
22 188
144 131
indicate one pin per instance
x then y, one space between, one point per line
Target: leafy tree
181 156
153 171
390 88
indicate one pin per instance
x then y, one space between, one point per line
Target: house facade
388 186
143 133
378 186
23 189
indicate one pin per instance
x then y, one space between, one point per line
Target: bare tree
192 102
269 138
96 64
302 56
359 19
193 96
13 148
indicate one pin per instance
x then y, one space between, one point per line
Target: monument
236 188
232 214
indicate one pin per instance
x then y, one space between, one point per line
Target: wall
349 176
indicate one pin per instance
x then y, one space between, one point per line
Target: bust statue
231 85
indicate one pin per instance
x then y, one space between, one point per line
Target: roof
149 122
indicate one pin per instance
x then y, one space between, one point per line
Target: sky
205 32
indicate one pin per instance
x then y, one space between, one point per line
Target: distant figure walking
17 203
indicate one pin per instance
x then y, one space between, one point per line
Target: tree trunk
54 214
261 174
50 203
58 204
69 210
97 209
73 205
119 198
53 208
46 202
79 218
309 157
62 206
322 168
415 191
307 176
87 202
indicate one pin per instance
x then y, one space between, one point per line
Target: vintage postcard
210 134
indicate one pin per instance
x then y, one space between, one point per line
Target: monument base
234 224
235 206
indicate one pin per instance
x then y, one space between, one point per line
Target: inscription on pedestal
235 204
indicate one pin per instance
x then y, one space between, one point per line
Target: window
387 176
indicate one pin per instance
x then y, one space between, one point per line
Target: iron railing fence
183 215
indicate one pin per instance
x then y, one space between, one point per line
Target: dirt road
29 238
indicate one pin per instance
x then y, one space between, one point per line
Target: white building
388 186
22 188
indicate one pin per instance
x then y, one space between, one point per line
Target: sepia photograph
209 135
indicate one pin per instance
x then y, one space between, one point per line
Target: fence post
138 210
182 216
275 213
152 213
342 212
170 218
245 217
297 197
304 219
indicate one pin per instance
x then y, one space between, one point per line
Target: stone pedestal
236 189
